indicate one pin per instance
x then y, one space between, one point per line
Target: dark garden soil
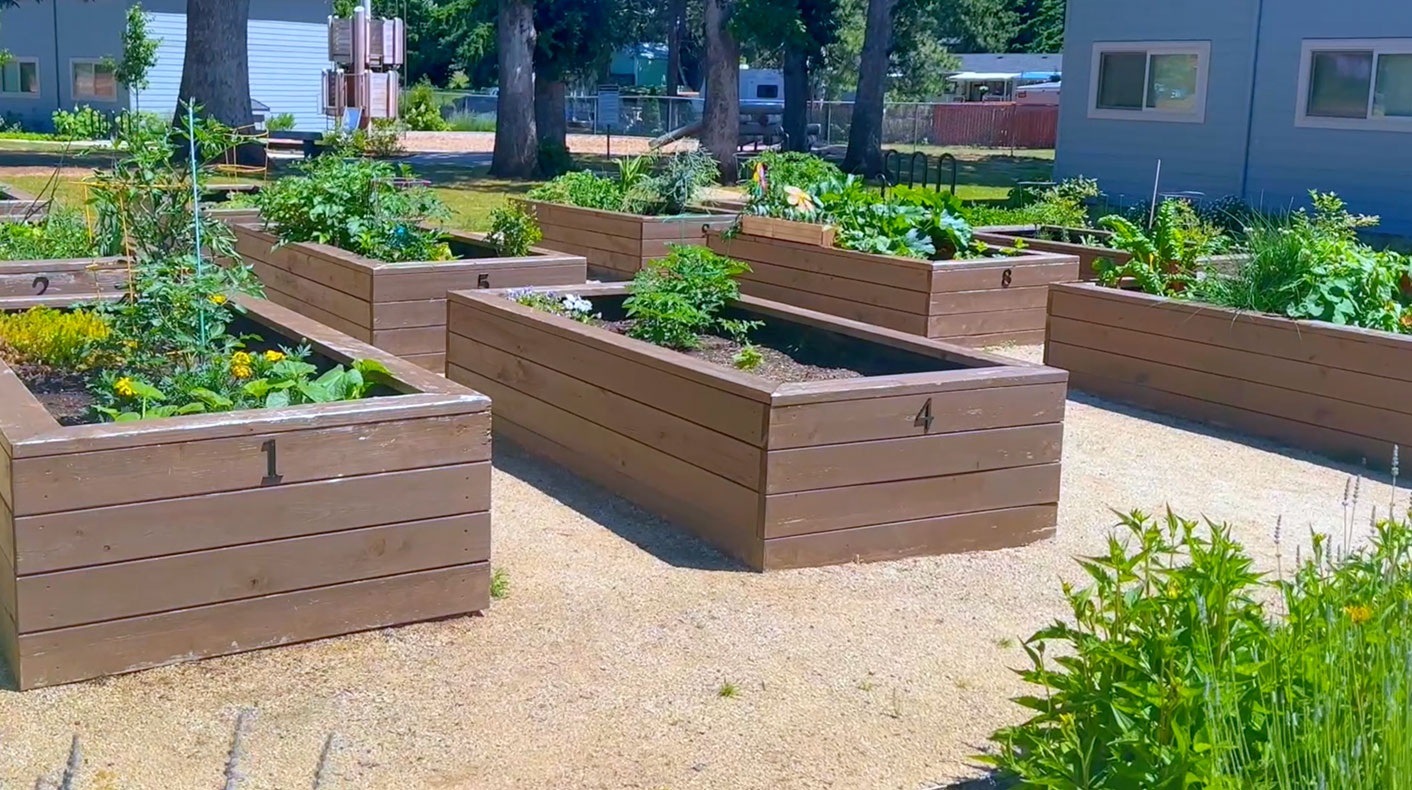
776 364
65 395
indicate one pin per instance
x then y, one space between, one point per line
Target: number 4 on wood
924 417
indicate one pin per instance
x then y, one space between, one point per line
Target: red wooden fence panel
995 124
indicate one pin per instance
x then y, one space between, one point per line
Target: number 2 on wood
924 417
42 283
272 475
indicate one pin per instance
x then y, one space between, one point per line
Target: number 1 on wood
924 417
272 475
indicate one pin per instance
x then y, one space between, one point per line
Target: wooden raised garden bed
398 307
616 244
1038 237
130 545
935 449
979 302
60 282
1342 391
17 204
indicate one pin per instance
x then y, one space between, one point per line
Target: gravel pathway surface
603 667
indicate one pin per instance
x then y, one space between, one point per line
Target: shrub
681 296
283 122
637 189
792 168
580 188
44 336
382 138
421 110
357 205
513 231
62 233
84 123
471 122
1164 257
1062 205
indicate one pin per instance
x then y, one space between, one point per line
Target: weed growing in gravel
499 584
728 690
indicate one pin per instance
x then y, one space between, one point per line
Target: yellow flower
218 298
274 356
240 358
123 387
799 199
1359 614
241 371
1406 320
130 344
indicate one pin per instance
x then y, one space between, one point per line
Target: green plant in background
513 231
62 233
358 205
793 168
44 336
679 297
1164 257
567 305
471 122
637 189
554 159
421 109
139 53
84 123
281 122
580 188
1064 205
382 138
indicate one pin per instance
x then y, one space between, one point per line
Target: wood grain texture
69 277
614 242
119 646
124 589
1088 254
1336 390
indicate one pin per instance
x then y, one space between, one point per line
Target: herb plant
681 296
63 233
356 205
638 189
513 231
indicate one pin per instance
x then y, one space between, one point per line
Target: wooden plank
896 417
1024 337
125 589
788 230
595 239
992 323
890 270
831 286
1335 444
328 266
401 315
9 598
21 418
1023 274
821 510
6 496
392 285
75 538
118 646
1339 415
738 541
966 532
414 340
671 432
335 322
608 223
1250 364
857 311
1348 348
348 309
672 228
1014 298
9 647
935 455
67 277
47 484
436 363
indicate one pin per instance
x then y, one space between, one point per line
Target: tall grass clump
1183 667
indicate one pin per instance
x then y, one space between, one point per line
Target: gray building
1261 99
58 49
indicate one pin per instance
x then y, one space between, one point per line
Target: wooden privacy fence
995 124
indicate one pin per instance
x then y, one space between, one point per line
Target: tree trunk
516 148
550 106
796 97
865 132
720 132
676 20
215 72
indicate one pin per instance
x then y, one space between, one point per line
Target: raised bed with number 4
133 544
927 448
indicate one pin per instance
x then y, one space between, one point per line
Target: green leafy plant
567 305
637 189
83 123
513 231
681 296
139 51
1063 205
62 233
792 168
421 110
44 336
1163 257
748 357
359 205
580 188
382 138
280 122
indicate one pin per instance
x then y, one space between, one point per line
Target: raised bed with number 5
927 448
129 545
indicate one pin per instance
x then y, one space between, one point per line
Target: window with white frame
20 77
1356 84
94 80
1150 80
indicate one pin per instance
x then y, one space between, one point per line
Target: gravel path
602 667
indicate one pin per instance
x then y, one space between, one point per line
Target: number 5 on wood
272 475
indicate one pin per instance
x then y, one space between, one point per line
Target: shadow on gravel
662 539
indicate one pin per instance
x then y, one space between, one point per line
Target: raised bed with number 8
129 545
936 449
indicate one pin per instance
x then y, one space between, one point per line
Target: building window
767 91
20 77
1356 84
1150 81
94 81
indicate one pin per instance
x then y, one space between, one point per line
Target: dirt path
602 667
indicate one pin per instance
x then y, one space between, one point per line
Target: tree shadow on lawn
668 542
1371 468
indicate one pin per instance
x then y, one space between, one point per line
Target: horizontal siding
1206 157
